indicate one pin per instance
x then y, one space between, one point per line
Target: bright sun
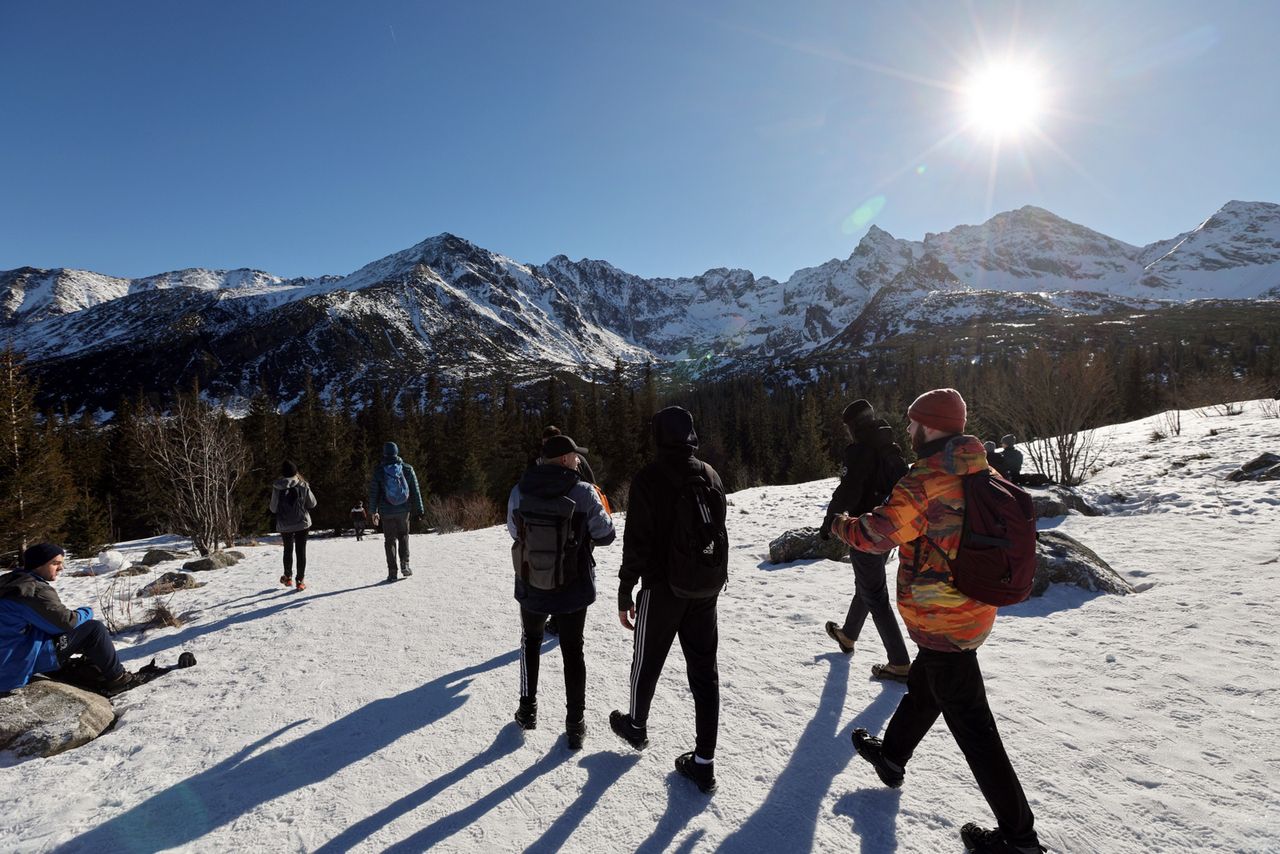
1004 100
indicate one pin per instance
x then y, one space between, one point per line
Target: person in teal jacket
38 634
393 495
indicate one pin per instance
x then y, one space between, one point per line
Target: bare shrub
439 516
115 605
1171 421
1269 408
461 513
618 497
161 614
1057 402
1157 436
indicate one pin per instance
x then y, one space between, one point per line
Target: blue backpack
395 488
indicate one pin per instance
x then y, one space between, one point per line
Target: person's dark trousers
91 640
661 616
575 665
950 684
295 542
359 533
395 534
871 596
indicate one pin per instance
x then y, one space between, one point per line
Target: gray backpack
545 552
291 507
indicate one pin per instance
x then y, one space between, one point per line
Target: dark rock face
1263 467
46 718
155 556
1062 559
216 560
1051 501
168 583
804 544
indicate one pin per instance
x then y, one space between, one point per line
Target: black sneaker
574 732
704 776
527 714
834 632
625 729
406 571
551 627
870 749
983 841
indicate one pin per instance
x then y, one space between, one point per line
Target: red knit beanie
942 409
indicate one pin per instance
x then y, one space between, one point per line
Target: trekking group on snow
965 535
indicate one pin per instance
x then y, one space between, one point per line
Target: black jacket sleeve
858 467
639 539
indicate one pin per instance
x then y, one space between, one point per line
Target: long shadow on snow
237 785
874 813
769 566
1059 597
787 820
684 803
603 770
155 646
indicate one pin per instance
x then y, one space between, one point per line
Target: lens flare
863 215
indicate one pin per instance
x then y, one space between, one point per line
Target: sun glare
1004 100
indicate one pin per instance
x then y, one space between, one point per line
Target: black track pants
575 665
661 617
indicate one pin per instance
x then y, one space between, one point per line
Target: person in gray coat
393 495
292 501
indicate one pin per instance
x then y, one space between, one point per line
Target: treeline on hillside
147 471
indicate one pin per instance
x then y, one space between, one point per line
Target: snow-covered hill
448 304
367 717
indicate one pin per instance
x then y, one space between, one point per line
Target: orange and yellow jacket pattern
924 517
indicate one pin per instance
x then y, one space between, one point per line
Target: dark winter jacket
1012 458
857 491
377 492
650 504
31 617
306 500
585 474
592 526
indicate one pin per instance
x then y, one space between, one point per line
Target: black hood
673 431
548 480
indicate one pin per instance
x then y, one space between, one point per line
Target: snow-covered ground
377 717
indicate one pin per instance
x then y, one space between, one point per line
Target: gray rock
804 543
46 718
155 556
168 583
1061 559
136 569
237 555
1051 501
1266 466
214 560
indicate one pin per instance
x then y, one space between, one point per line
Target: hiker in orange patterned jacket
924 516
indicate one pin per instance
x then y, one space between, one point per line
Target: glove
825 531
625 602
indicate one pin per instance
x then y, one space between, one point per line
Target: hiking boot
552 628
870 748
527 714
891 672
624 728
118 685
286 580
984 841
406 571
841 639
703 775
392 577
302 585
574 732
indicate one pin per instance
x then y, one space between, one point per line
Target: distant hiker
39 635
676 546
995 459
873 463
924 517
1011 457
359 519
556 519
585 474
292 501
393 495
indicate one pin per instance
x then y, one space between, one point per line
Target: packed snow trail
366 716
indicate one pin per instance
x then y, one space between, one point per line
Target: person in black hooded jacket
660 616
872 464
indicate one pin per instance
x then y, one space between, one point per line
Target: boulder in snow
168 583
804 543
1055 500
1061 559
1263 467
47 717
155 556
136 569
213 560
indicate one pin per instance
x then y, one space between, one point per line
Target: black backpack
697 542
290 508
545 554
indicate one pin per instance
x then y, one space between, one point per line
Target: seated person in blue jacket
38 634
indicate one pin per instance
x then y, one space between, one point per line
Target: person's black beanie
858 411
39 554
673 430
288 469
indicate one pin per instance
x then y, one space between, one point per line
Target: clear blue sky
666 137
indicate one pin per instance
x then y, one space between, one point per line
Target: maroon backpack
996 561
